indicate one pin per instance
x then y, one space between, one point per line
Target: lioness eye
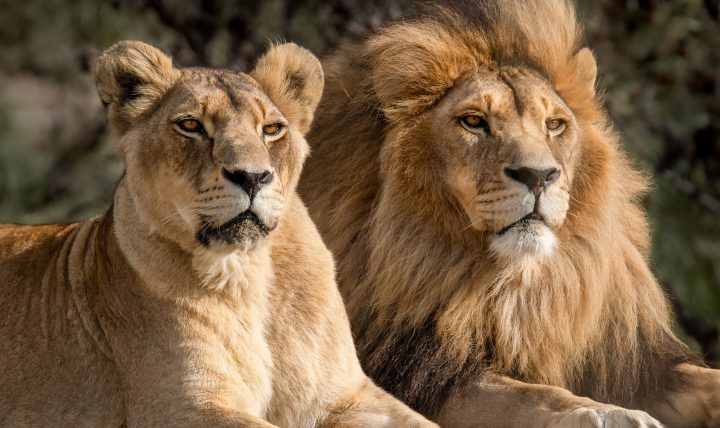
555 125
272 129
190 125
474 122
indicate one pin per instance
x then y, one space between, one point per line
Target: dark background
659 66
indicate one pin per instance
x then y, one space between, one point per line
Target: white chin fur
532 240
221 268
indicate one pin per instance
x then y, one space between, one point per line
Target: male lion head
211 155
507 141
509 147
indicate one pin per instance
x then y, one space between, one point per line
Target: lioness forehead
220 92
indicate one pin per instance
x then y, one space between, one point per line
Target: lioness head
211 155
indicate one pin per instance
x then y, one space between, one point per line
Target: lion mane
429 305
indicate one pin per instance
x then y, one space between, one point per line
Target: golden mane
414 63
428 304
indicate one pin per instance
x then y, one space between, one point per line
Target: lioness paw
376 420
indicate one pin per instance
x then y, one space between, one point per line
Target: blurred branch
692 191
686 187
194 34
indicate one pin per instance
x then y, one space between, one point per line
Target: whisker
211 198
501 198
465 207
493 211
217 207
574 199
176 214
274 198
494 189
472 222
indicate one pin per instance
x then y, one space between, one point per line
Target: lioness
490 246
204 296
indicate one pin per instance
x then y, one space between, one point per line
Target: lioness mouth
532 217
244 225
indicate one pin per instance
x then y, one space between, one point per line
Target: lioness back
46 352
205 295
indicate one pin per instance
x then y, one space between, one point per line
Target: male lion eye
474 122
555 125
190 125
272 129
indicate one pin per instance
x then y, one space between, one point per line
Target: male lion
204 296
490 246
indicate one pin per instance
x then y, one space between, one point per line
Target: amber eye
272 129
190 125
474 122
555 125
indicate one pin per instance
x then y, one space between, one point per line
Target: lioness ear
293 79
131 77
587 68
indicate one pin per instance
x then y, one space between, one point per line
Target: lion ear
293 79
586 68
131 78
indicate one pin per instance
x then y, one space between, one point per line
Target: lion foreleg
499 401
696 404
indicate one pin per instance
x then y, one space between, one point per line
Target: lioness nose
250 182
534 179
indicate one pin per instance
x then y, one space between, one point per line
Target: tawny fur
153 314
436 301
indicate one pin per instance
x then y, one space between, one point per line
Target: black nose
251 182
534 179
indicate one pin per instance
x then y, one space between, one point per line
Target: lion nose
250 182
535 179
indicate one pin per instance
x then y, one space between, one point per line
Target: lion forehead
509 94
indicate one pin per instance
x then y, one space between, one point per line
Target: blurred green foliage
659 62
659 65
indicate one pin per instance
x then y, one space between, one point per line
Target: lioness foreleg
499 401
221 418
370 406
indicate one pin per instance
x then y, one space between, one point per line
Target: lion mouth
531 218
245 225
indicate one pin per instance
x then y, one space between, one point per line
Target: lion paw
609 417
